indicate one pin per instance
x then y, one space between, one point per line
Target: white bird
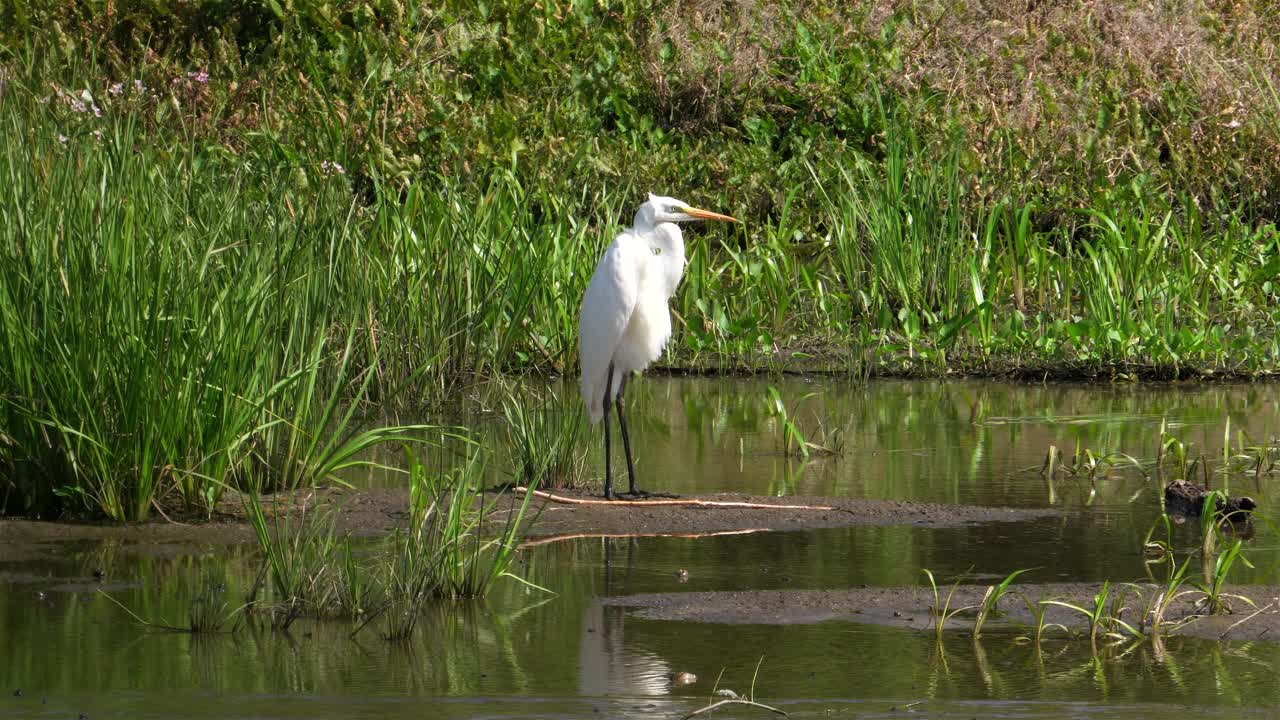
625 321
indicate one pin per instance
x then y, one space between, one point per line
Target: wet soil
1255 612
366 513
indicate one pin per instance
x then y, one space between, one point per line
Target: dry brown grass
1048 91
703 57
1177 76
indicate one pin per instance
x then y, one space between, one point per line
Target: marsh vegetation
252 248
220 250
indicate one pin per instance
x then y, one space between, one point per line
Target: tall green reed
172 326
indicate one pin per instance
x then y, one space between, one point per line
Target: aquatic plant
210 611
445 552
1167 595
732 698
940 611
991 599
1086 463
354 594
1101 614
299 545
449 549
794 442
1038 612
1215 600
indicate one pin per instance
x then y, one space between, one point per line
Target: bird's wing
606 308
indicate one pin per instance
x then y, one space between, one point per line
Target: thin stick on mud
739 701
580 536
692 502
1243 620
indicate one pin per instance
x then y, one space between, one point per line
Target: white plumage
625 321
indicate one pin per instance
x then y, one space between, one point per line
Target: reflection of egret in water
605 665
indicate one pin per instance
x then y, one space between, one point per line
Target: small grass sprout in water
940 611
1103 616
989 606
1086 463
1167 594
209 613
795 444
1039 610
732 698
1215 599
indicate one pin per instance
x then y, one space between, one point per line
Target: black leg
626 438
608 471
608 566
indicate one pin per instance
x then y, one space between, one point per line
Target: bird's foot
638 494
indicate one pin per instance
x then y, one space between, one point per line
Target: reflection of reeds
209 612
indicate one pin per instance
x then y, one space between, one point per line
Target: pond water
526 654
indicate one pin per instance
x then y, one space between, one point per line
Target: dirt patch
908 607
367 513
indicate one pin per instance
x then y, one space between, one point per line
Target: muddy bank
369 513
908 607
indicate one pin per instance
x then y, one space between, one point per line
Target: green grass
990 605
1038 611
209 281
445 551
1102 616
546 432
941 611
170 330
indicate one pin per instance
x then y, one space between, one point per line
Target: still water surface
524 654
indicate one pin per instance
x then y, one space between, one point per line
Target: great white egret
625 322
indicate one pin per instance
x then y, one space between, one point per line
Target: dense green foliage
224 220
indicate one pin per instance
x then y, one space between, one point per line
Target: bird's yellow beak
707 215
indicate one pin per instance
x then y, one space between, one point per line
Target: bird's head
659 209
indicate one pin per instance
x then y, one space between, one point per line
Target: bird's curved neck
667 239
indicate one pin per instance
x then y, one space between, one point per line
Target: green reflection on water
955 442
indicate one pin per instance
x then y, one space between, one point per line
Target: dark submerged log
1185 499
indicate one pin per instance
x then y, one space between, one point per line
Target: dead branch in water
739 701
691 502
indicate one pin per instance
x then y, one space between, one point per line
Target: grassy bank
221 245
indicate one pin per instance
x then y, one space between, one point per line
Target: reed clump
217 251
